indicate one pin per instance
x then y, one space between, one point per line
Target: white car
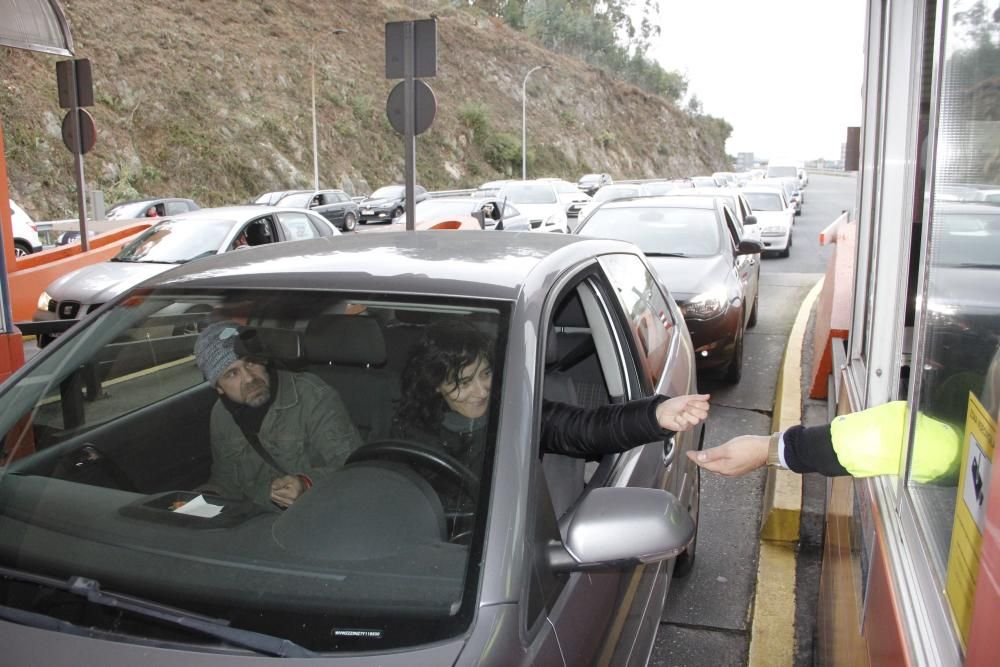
774 217
26 239
612 192
537 200
572 197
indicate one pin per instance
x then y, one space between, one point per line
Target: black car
388 203
695 246
334 205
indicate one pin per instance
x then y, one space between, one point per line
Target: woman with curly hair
446 398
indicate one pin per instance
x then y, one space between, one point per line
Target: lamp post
312 77
524 121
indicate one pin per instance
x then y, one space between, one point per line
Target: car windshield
657 188
529 193
967 239
296 199
442 208
610 192
658 230
126 467
764 201
782 171
176 241
388 192
704 182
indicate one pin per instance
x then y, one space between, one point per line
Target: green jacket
307 431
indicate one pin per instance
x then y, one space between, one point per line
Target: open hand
738 456
682 413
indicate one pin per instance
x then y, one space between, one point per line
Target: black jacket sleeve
810 449
593 432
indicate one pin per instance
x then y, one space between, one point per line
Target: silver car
547 560
170 242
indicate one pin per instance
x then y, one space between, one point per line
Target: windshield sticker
361 633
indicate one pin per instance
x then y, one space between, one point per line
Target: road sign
88 132
424 49
75 83
425 106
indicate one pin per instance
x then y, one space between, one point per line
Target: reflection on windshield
971 240
658 230
155 492
296 199
176 241
388 192
530 194
607 194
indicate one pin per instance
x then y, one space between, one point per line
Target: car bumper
714 340
775 243
375 215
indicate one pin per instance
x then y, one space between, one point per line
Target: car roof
481 264
233 213
666 201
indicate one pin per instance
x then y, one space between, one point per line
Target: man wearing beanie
274 432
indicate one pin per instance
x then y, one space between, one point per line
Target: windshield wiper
90 589
977 265
665 254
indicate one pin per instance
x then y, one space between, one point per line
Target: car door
296 226
611 615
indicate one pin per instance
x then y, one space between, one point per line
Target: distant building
744 161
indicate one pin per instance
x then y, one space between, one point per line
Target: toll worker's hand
736 457
682 413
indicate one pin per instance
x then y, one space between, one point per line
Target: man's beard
256 398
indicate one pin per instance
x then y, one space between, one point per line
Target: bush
503 152
476 117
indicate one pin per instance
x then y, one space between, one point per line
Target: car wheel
685 561
788 248
396 213
752 322
350 222
21 249
734 371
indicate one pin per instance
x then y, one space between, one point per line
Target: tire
788 248
21 249
734 371
396 213
685 561
350 222
752 322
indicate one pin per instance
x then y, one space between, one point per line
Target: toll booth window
958 389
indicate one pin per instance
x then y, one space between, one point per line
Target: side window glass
509 211
733 227
650 320
175 207
297 226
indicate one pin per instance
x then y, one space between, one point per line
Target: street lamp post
312 77
524 121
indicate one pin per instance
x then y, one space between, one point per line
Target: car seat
563 474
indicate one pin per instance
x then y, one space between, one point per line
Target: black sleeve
811 450
593 432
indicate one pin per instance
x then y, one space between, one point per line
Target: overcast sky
786 74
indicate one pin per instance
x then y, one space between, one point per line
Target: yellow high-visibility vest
870 443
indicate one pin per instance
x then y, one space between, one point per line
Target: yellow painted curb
772 636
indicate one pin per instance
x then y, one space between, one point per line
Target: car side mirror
480 216
750 220
622 527
749 247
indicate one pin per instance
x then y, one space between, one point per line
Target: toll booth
911 561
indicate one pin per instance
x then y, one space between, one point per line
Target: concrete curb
772 637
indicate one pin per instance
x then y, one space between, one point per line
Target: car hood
687 276
771 218
100 282
375 203
539 211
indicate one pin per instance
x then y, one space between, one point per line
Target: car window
114 432
297 226
650 318
175 207
732 226
529 193
509 211
764 201
175 241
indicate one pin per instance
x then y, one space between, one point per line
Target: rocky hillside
211 100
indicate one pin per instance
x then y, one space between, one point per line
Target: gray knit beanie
215 349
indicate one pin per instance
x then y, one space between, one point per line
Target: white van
26 239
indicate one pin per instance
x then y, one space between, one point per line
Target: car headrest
345 339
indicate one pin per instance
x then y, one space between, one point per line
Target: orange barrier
32 274
833 312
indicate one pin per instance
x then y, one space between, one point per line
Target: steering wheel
454 473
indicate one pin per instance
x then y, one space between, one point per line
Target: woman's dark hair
444 349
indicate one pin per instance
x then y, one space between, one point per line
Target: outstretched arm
738 456
683 412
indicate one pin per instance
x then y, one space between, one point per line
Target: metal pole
524 121
81 199
409 125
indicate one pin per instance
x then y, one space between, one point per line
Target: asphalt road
709 614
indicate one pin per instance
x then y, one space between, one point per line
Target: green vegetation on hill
212 101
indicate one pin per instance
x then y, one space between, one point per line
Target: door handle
669 451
